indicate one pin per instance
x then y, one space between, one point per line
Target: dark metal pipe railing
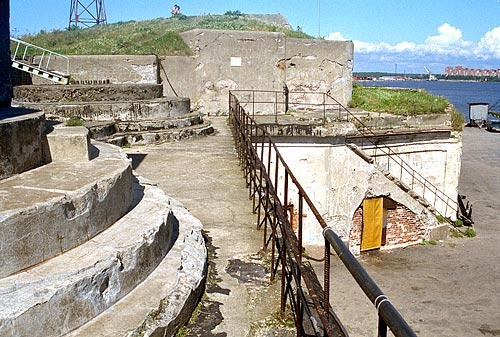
300 288
386 310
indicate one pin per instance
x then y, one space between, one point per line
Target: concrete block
22 140
69 144
439 233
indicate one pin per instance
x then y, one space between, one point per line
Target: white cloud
335 36
448 35
447 47
489 45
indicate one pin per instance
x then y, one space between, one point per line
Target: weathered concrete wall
107 68
320 66
337 180
22 141
228 60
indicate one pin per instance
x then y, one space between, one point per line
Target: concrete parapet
112 68
159 108
87 93
69 144
65 292
22 140
54 208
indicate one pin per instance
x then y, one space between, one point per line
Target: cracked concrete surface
205 176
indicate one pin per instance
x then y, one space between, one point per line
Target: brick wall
403 228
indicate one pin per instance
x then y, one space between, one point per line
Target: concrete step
56 207
191 119
87 93
164 301
123 110
160 136
69 290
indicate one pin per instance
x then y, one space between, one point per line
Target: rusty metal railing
301 290
255 102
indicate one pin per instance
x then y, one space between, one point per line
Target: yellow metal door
373 216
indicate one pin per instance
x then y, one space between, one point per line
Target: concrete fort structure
342 173
228 60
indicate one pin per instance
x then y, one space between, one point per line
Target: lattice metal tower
88 15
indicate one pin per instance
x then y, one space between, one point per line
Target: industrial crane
431 77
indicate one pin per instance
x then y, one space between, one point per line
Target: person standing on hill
176 10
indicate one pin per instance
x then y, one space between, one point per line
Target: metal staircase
43 64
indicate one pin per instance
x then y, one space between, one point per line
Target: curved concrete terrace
87 93
119 279
56 207
124 110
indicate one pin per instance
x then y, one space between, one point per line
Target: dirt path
451 289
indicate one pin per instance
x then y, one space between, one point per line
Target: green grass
158 36
405 102
74 121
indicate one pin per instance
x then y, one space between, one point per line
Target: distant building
461 71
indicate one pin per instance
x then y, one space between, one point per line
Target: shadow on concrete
137 159
13 112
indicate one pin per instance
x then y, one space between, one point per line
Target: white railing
25 49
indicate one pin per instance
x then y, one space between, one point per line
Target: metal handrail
45 54
330 104
250 138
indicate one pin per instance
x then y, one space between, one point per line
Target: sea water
459 93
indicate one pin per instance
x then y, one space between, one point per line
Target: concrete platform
124 110
54 208
65 292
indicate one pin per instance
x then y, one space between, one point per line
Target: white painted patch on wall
235 61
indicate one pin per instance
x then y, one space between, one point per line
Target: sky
388 35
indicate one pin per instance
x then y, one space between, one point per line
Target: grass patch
429 242
470 233
74 121
440 218
158 36
404 102
457 120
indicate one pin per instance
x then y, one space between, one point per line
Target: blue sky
386 33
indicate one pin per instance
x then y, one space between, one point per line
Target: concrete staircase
88 249
118 113
399 183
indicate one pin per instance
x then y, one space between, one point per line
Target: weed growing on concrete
470 233
440 218
74 121
429 242
459 223
457 120
455 233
